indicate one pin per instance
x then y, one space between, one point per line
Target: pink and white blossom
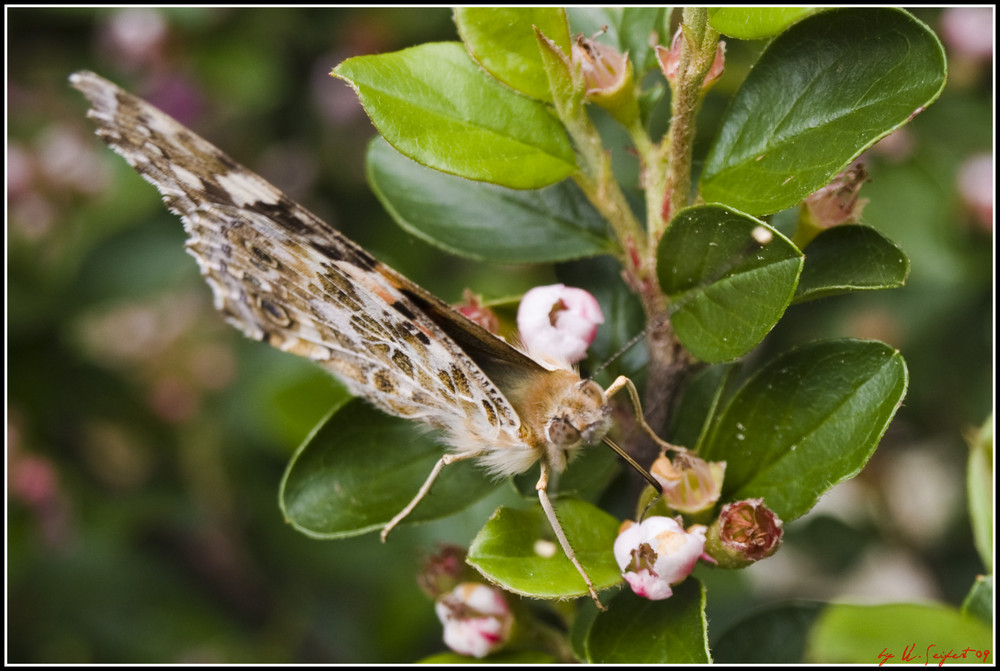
477 620
657 554
558 322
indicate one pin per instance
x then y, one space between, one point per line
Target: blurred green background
146 439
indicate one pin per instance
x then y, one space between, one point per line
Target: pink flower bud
746 531
558 322
690 484
473 308
656 554
718 65
442 571
476 619
837 202
670 60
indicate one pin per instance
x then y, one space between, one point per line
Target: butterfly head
581 417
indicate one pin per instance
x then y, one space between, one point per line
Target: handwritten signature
910 654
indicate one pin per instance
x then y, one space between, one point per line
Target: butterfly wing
283 276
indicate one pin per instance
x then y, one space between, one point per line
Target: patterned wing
285 277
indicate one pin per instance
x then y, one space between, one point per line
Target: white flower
558 322
476 619
658 553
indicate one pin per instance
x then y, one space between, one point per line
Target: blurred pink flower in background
968 31
976 186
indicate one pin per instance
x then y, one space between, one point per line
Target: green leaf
638 631
502 40
930 635
434 104
979 601
699 403
360 467
806 421
824 91
630 29
586 614
980 492
755 23
771 635
850 258
485 221
512 550
729 278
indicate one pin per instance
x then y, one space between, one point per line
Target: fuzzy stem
698 51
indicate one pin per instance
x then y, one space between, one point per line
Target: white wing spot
186 176
246 191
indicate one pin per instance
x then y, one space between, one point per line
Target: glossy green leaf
630 29
850 258
980 487
918 634
586 614
806 421
824 91
771 635
360 467
699 403
434 104
502 40
518 551
485 221
755 23
638 631
729 278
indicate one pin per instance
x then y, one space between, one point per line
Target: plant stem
668 189
698 51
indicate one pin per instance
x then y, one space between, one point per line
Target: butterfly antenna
624 348
634 464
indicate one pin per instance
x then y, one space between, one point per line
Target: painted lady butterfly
284 277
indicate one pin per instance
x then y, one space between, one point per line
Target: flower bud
690 484
473 308
837 202
558 322
656 554
443 571
746 531
670 60
608 77
477 620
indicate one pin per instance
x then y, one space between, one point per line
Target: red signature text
935 655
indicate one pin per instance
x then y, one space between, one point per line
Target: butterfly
285 277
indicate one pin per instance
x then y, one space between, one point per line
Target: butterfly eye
559 431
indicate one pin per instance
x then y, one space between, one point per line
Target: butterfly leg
550 513
425 488
623 382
